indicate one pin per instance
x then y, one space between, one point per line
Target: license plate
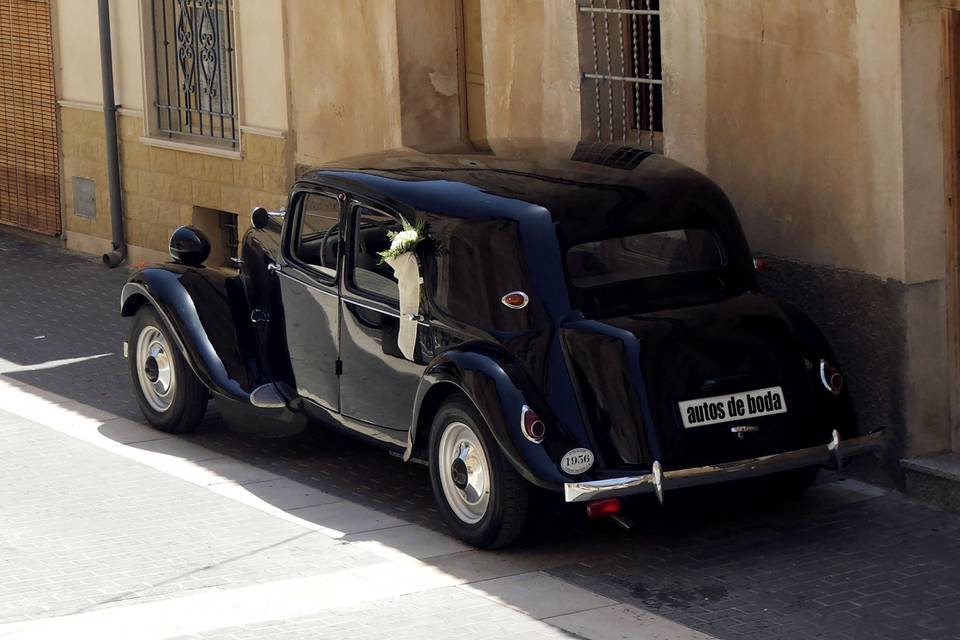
737 406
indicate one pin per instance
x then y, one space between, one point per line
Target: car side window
370 274
318 237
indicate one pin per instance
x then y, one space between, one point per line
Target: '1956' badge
576 461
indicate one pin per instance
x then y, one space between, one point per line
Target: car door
377 385
309 286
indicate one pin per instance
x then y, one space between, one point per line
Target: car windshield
643 255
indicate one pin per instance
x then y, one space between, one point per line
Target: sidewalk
111 529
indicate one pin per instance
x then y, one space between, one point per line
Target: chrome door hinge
339 367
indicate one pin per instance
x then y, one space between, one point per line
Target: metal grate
622 84
194 69
230 236
609 155
29 145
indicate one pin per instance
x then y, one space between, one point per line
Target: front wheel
481 496
170 395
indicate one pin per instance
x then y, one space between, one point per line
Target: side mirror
261 217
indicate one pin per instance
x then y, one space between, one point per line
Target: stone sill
946 466
199 149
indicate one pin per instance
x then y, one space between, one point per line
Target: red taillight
603 508
760 264
831 378
532 426
515 300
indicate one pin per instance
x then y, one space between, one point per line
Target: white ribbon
407 270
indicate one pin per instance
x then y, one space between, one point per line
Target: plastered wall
531 69
794 108
344 87
260 65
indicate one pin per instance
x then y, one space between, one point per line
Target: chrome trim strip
419 318
352 301
370 307
833 454
657 475
280 272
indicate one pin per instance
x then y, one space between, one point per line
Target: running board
267 396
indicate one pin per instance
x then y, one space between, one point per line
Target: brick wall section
162 186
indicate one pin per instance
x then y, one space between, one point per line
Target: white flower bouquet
402 259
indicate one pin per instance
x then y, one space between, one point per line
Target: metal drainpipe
119 253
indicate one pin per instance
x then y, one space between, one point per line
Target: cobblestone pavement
846 561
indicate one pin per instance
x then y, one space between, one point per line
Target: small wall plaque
85 197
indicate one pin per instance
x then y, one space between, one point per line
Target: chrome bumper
831 454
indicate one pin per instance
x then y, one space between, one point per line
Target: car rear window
610 261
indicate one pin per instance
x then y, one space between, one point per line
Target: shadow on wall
862 318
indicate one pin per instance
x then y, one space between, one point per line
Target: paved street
110 529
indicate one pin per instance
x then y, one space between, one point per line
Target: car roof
588 189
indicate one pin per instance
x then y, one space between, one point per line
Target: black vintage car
590 325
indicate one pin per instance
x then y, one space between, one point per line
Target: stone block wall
164 188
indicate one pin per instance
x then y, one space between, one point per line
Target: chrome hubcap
155 369
464 472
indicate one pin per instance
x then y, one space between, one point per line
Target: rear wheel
481 496
170 395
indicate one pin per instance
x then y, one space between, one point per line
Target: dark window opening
622 80
611 261
230 237
317 241
371 236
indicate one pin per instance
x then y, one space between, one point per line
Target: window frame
294 225
152 132
352 215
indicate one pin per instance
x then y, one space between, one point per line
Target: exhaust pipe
119 253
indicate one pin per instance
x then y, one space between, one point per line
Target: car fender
814 345
200 315
490 383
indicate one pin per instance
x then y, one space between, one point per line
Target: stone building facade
828 123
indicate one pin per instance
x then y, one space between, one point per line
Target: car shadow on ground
705 549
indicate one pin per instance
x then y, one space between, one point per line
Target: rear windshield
611 261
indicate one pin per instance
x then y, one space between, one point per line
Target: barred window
622 85
193 68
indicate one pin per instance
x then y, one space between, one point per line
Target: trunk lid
633 371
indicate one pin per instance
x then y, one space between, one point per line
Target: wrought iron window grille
194 64
622 83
